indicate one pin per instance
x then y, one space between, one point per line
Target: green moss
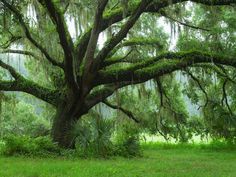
51 96
101 91
143 41
162 67
114 12
119 10
165 62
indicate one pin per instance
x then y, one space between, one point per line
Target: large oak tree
90 73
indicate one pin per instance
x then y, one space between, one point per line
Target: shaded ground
155 163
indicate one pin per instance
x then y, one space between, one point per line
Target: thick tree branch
92 44
101 94
11 70
61 27
65 41
24 85
89 56
163 64
118 59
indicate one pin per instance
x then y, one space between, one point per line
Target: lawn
156 162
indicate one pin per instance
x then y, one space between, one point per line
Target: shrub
23 121
93 137
18 145
98 137
127 141
2 147
219 145
46 144
24 145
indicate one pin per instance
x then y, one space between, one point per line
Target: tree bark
68 112
62 128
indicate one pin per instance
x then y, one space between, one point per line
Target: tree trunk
62 128
68 113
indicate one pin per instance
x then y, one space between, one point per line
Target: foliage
24 145
214 145
127 140
99 137
93 136
20 118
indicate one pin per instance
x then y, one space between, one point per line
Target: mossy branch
11 70
158 66
118 59
24 85
65 41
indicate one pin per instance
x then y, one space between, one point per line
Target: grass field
156 162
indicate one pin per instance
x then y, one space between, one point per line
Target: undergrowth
44 147
215 145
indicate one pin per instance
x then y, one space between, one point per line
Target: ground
156 162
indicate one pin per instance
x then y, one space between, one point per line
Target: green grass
158 161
